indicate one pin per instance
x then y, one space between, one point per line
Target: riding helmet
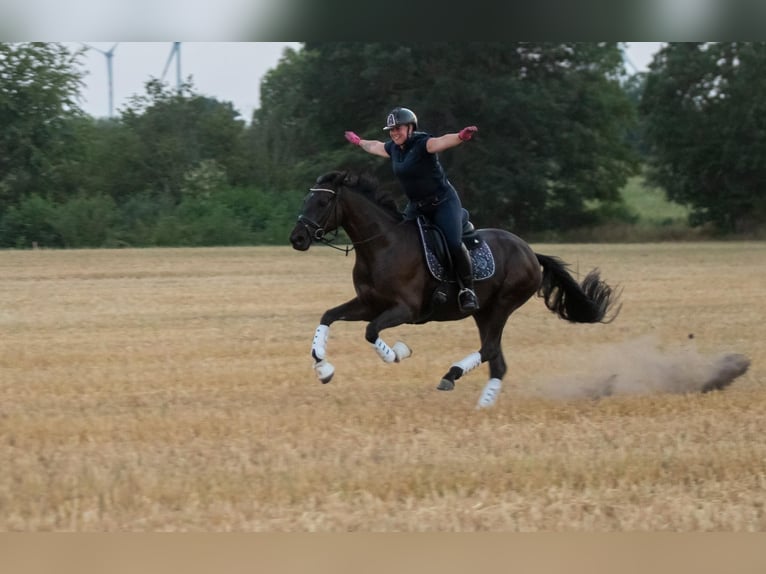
401 116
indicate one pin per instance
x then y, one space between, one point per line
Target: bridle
317 231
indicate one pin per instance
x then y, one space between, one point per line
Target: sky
227 71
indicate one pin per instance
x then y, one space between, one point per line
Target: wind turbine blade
170 59
89 47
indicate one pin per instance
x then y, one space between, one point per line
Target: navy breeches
447 215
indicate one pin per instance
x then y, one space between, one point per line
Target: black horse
395 286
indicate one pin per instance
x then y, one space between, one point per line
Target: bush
87 222
206 223
30 224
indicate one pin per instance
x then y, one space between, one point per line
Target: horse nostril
300 239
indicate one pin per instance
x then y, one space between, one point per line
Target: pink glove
352 137
467 133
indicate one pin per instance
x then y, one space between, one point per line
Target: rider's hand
353 138
467 133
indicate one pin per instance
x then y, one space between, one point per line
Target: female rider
416 165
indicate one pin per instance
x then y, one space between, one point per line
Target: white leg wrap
384 351
489 394
319 346
469 363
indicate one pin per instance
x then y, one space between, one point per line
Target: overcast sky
227 71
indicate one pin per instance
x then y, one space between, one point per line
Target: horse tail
592 301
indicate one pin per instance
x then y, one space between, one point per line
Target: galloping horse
394 285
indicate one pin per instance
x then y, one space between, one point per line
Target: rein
317 230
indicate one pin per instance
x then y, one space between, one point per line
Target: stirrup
472 303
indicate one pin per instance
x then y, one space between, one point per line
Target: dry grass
172 390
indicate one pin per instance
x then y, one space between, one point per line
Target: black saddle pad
435 253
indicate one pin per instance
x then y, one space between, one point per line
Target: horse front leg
389 318
353 310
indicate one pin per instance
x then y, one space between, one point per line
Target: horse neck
362 219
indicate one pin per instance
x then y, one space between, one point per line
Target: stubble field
173 390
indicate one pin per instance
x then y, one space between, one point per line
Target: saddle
437 255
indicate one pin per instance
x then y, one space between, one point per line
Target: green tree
282 134
552 120
39 87
110 159
29 223
634 89
172 132
87 221
705 114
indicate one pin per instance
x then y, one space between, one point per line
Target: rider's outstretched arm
437 144
370 146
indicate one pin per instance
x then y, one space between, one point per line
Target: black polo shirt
420 173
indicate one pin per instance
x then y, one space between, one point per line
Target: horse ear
350 179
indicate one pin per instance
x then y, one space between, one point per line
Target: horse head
319 214
323 207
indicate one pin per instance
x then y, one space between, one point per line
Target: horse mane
364 184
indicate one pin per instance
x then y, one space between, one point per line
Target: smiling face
400 133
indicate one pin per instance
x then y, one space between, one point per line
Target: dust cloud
641 366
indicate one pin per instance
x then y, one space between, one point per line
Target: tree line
561 129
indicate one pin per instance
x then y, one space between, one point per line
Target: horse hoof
446 385
401 350
324 371
326 380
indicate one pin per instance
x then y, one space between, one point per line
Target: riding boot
466 299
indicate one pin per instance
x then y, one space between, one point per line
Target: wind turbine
175 51
109 55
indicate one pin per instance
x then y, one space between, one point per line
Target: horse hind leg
491 389
491 330
491 336
490 325
458 369
490 393
497 368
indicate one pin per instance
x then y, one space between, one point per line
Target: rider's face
399 133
